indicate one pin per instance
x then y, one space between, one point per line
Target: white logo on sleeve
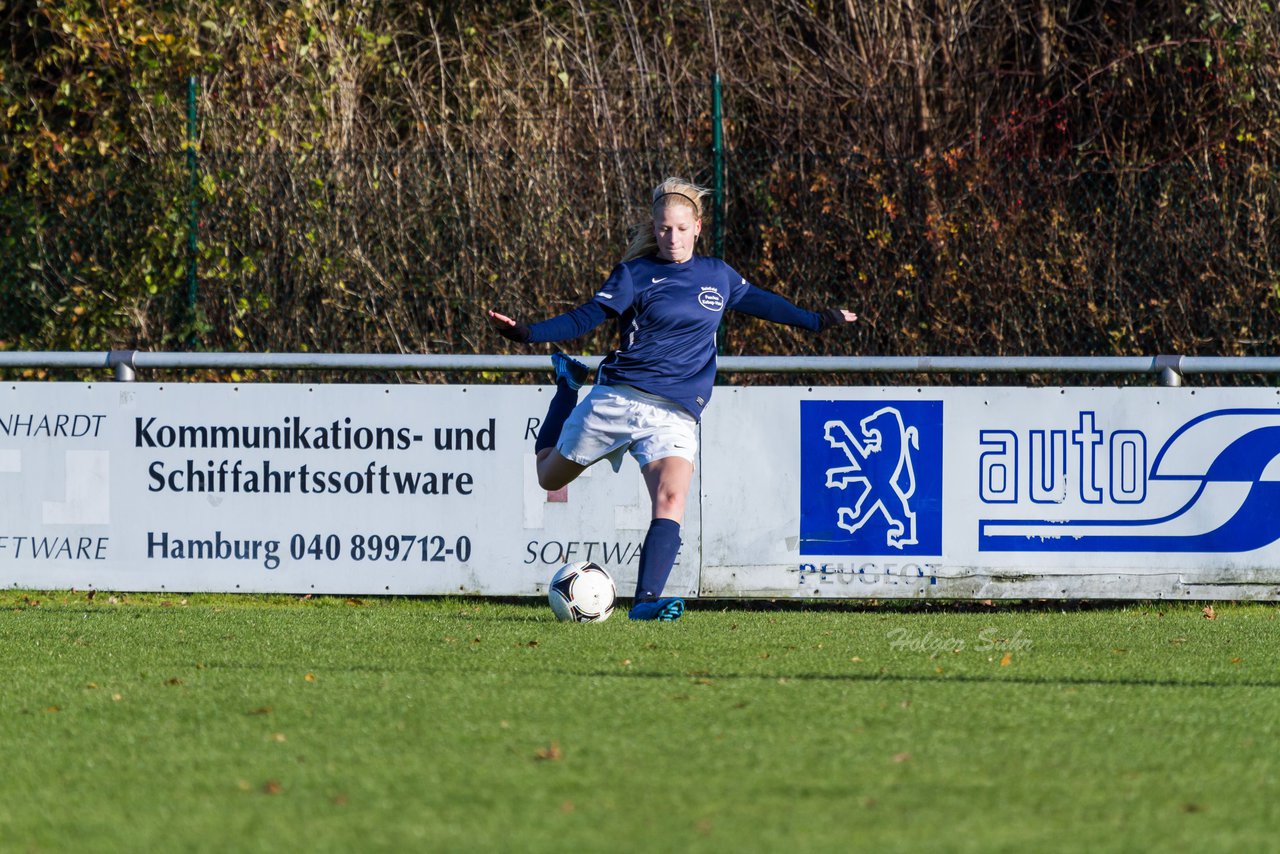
710 299
660 281
606 296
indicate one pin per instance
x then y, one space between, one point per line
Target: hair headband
688 199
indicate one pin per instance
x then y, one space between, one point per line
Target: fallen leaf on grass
272 787
550 753
856 658
54 709
310 677
1190 807
354 601
117 697
567 807
173 681
1236 660
1006 659
901 757
339 800
1209 613
277 737
261 710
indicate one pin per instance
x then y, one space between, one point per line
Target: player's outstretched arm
571 324
775 308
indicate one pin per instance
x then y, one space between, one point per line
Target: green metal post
717 156
193 171
717 187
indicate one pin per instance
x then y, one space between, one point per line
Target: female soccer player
650 392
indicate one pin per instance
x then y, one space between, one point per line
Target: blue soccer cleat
570 370
665 610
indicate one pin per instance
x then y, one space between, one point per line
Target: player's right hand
507 327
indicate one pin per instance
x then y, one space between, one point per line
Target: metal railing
1169 370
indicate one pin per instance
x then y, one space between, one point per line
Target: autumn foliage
1002 178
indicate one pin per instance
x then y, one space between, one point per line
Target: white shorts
615 419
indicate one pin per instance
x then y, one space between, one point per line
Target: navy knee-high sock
562 404
657 556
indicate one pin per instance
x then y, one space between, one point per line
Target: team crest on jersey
710 299
870 477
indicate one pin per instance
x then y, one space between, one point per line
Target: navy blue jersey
667 316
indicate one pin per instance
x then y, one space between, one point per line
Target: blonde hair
671 192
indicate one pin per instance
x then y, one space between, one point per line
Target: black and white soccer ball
582 592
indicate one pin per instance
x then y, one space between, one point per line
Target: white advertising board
301 489
832 492
992 492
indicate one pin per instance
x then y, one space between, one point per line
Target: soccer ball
582 593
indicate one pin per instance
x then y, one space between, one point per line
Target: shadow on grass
948 678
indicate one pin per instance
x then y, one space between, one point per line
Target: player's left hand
833 316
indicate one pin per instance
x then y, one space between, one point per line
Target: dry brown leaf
1209 613
310 677
901 757
174 680
261 710
1006 659
278 737
550 753
567 807
272 787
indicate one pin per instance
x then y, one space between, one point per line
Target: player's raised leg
554 471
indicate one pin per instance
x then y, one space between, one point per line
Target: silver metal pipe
125 362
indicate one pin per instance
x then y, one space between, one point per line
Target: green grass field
273 723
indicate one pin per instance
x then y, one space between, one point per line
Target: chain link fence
401 251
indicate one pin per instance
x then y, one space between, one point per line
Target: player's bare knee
669 506
551 484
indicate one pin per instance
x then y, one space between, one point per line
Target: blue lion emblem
871 477
886 488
